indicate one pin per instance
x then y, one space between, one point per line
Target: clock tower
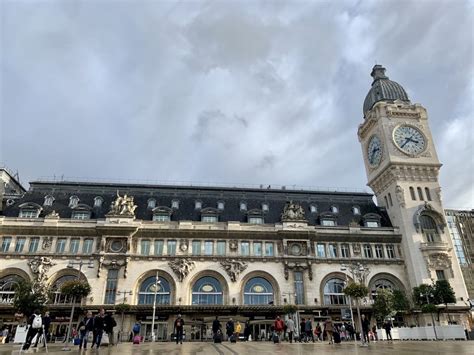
402 169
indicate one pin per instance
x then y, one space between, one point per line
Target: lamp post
428 295
359 272
124 293
71 265
344 269
156 286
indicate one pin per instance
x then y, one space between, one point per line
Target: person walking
329 329
179 328
109 324
247 330
279 327
44 331
309 330
35 324
388 330
290 327
318 332
216 326
98 329
229 328
85 327
302 330
365 330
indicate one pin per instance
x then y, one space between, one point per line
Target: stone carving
47 242
439 261
183 245
297 248
298 266
39 267
233 245
293 212
122 206
400 195
52 215
233 268
181 267
356 248
112 264
438 194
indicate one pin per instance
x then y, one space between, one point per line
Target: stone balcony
434 246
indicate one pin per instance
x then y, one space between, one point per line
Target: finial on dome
378 72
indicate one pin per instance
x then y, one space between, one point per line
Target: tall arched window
382 284
7 288
428 194
258 291
412 193
207 290
58 297
420 193
429 228
147 291
334 292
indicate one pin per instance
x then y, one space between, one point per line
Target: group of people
233 330
96 326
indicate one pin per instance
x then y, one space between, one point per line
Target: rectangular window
208 247
87 246
6 241
440 275
28 213
390 199
159 247
171 247
299 288
244 248
60 245
221 247
20 244
390 251
257 248
345 251
80 215
379 251
145 247
332 250
196 247
269 249
255 220
372 224
161 218
368 251
209 219
111 286
328 223
34 242
74 246
321 250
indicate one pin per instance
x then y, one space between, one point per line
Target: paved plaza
266 348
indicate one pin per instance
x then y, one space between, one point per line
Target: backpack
37 322
136 328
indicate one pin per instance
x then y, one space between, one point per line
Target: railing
433 245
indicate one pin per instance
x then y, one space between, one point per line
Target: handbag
90 337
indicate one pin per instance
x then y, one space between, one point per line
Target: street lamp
156 287
124 293
71 265
344 269
428 295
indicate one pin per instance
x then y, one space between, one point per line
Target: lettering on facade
233 268
181 267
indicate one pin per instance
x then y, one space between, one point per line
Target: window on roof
161 218
175 204
220 205
328 222
265 207
73 201
255 220
313 208
334 209
81 215
197 205
372 224
29 213
48 200
243 206
151 203
209 219
355 210
98 201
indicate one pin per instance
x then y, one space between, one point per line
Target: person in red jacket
279 327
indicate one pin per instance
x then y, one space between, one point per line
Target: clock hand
406 141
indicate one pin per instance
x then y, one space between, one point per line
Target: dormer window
334 209
29 210
81 215
151 203
98 201
48 200
209 219
355 210
243 206
328 219
73 201
175 204
255 216
256 220
162 214
371 220
265 207
220 206
210 215
197 205
313 208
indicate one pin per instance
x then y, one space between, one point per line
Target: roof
209 197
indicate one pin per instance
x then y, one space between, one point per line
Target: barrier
443 332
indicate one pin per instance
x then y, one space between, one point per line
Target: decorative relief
113 264
233 245
39 267
292 212
181 267
400 195
47 242
233 268
298 266
52 215
122 206
183 245
439 261
356 248
297 248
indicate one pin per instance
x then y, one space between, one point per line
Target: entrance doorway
161 331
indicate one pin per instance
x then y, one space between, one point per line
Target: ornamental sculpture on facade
47 242
39 267
439 261
181 267
122 206
292 212
298 266
400 195
233 268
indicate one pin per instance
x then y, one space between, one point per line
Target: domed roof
383 89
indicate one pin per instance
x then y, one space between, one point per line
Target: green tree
27 299
384 304
444 293
77 289
424 294
400 301
357 291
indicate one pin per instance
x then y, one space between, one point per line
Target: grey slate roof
209 196
383 89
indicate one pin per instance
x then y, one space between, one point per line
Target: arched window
429 228
7 288
147 291
382 284
58 297
151 203
420 193
207 290
355 210
48 200
98 201
412 193
258 291
428 194
334 292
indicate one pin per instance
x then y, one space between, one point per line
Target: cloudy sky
251 92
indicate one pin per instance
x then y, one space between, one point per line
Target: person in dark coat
247 330
229 328
109 324
99 325
365 329
388 330
85 327
216 326
33 329
179 327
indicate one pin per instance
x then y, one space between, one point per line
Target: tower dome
383 89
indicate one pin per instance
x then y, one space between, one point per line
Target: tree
444 293
400 301
384 304
77 289
357 291
27 299
423 294
289 308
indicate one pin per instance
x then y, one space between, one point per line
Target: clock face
374 151
409 140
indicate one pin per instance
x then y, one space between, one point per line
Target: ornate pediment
429 210
439 261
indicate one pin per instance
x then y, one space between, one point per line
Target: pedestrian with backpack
179 327
135 337
35 325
